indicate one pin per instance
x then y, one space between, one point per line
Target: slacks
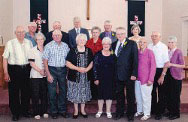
143 97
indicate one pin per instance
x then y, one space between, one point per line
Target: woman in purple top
144 84
174 78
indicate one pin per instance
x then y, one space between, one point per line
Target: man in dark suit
127 68
65 36
75 31
108 31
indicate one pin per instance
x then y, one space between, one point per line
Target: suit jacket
72 36
102 35
65 38
127 62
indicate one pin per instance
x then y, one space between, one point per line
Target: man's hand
42 72
82 70
133 78
50 78
6 77
96 82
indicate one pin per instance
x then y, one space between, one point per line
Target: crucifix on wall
88 10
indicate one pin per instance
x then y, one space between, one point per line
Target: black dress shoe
84 115
174 117
158 117
64 115
54 116
166 114
130 118
118 116
75 116
15 118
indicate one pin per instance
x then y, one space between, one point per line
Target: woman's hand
50 78
6 77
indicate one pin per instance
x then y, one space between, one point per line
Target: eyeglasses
120 34
20 32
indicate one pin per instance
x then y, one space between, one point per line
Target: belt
20 66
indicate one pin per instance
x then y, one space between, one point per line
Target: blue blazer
102 35
72 36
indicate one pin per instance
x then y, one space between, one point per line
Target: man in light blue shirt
32 27
54 58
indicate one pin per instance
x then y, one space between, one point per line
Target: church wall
6 19
174 12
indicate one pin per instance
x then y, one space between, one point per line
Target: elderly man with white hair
57 25
108 31
75 31
160 51
32 27
54 58
16 73
174 78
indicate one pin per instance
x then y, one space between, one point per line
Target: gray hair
108 21
75 19
81 36
56 32
95 28
39 34
135 26
172 39
121 28
107 40
32 24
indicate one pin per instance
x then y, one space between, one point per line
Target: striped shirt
56 54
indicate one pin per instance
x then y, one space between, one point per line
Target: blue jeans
59 76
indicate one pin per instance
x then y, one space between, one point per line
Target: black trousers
39 95
159 102
173 94
19 89
130 95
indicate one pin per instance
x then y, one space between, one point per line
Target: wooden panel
2 83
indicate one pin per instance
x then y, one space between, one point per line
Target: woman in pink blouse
174 78
144 84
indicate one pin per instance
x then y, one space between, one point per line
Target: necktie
77 31
119 50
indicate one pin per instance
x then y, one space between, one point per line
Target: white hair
81 36
172 39
76 19
39 34
107 40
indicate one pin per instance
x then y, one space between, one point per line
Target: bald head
156 37
20 33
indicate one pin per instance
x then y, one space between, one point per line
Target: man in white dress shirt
160 51
16 73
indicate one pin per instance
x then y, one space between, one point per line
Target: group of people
71 66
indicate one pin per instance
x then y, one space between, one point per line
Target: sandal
98 115
145 117
109 115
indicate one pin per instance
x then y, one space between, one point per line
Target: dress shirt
56 54
117 46
77 30
36 56
146 66
160 51
29 37
16 52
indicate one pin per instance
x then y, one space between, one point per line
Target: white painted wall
175 13
6 19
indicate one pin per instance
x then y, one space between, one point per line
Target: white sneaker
37 117
109 115
138 114
98 115
45 116
145 117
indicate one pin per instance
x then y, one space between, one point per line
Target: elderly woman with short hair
79 62
38 78
174 78
95 43
104 75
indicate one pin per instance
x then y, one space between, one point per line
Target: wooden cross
88 10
